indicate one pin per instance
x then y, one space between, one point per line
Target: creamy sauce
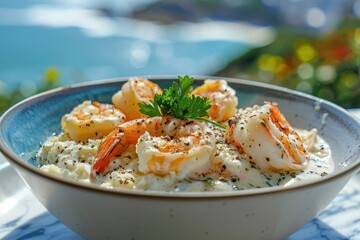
230 170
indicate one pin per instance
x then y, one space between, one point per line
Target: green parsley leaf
176 101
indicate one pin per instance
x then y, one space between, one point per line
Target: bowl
99 213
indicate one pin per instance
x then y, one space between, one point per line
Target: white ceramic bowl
97 213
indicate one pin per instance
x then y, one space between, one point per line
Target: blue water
26 50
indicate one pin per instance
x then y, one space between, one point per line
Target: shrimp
136 90
165 145
91 120
266 137
223 99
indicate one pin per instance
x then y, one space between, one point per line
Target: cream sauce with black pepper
230 170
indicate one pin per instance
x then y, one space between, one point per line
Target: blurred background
308 45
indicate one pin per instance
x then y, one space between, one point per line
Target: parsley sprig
178 102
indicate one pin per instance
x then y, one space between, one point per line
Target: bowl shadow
46 226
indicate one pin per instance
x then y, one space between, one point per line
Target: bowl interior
28 124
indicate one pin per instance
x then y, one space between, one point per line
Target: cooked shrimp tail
108 149
117 141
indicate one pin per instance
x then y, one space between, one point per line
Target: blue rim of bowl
14 159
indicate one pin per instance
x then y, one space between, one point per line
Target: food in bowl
176 148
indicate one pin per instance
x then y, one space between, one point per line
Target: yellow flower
51 75
305 52
270 63
357 35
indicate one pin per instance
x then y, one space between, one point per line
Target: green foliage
324 65
50 80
